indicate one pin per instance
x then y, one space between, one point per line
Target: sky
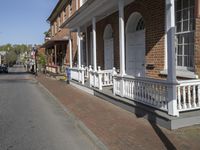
24 21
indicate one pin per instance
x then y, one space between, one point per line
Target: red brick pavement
117 128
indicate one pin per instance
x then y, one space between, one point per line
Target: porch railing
78 74
144 90
52 69
101 78
188 95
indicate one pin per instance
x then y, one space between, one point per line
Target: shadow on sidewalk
164 139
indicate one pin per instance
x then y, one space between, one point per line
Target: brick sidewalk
117 128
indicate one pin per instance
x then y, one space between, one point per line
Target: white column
171 58
121 44
94 43
79 47
86 42
121 37
70 52
55 51
77 4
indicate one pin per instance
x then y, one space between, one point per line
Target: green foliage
13 51
41 59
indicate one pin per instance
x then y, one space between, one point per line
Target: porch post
86 40
79 48
55 50
121 37
70 51
171 57
94 43
52 57
121 44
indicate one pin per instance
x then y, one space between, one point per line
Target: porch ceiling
92 8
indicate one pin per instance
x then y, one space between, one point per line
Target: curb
78 123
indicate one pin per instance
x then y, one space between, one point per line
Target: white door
108 54
135 54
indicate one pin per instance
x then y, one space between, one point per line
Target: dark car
1 69
5 69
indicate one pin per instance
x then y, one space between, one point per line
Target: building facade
144 51
57 38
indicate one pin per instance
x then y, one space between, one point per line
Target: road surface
30 119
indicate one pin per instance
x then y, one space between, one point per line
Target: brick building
145 51
57 39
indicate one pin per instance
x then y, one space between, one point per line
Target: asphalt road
30 119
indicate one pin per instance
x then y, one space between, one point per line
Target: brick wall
153 13
101 25
197 47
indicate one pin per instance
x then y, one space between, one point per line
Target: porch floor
143 111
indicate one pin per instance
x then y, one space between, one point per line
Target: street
30 119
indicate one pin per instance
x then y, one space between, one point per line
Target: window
64 15
59 21
140 26
70 8
52 30
185 26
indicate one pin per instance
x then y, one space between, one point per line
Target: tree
13 51
41 59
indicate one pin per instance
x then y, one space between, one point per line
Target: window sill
182 74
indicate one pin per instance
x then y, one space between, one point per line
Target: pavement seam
78 123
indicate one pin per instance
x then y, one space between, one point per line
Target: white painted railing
78 74
101 78
188 95
86 73
52 69
144 90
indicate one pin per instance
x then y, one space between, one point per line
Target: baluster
194 97
198 100
132 90
99 78
184 98
155 94
136 84
142 91
90 75
158 95
82 75
147 92
125 88
161 96
179 98
189 97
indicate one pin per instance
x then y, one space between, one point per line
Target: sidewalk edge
78 123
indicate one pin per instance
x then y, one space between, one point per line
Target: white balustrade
101 78
144 90
188 95
51 69
78 74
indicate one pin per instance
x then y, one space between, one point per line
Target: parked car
5 69
1 69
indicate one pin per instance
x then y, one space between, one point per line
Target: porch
130 82
151 103
148 91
